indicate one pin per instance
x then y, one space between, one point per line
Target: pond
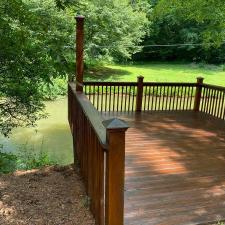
52 135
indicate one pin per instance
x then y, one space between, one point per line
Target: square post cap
200 79
115 124
140 77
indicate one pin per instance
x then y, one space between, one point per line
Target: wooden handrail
156 96
116 83
92 114
169 84
98 146
104 83
140 96
215 87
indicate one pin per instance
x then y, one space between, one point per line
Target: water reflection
51 134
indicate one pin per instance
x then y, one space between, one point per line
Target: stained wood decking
175 168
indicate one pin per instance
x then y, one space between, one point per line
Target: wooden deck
175 168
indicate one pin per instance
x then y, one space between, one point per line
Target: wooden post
139 93
79 52
198 94
115 170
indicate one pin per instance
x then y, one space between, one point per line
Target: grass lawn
168 72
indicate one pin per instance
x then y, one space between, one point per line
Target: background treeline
174 27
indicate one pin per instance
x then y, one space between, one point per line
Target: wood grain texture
89 139
139 100
174 168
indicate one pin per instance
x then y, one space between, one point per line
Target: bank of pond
49 142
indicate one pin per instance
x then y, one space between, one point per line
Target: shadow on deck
175 168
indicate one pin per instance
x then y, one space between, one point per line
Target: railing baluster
145 97
121 106
167 98
129 98
176 94
125 103
114 96
222 108
118 98
133 96
180 97
110 97
211 101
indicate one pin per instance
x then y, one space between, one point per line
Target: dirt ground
49 196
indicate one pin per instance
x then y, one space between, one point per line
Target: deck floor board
175 168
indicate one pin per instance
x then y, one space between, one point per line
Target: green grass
159 72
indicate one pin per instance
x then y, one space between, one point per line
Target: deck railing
213 100
156 96
168 96
99 148
112 96
140 96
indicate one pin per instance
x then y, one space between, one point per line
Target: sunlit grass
159 72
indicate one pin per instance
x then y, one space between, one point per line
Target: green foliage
33 52
165 72
37 46
28 159
186 22
113 28
211 14
51 92
25 159
7 162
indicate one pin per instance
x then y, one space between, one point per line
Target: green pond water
51 135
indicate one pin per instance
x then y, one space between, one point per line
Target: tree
37 45
114 28
178 22
33 40
209 13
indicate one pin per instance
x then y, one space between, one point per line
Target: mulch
49 196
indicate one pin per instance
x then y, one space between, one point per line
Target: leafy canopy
37 46
210 13
113 28
33 37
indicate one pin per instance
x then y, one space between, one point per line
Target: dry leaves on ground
49 196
